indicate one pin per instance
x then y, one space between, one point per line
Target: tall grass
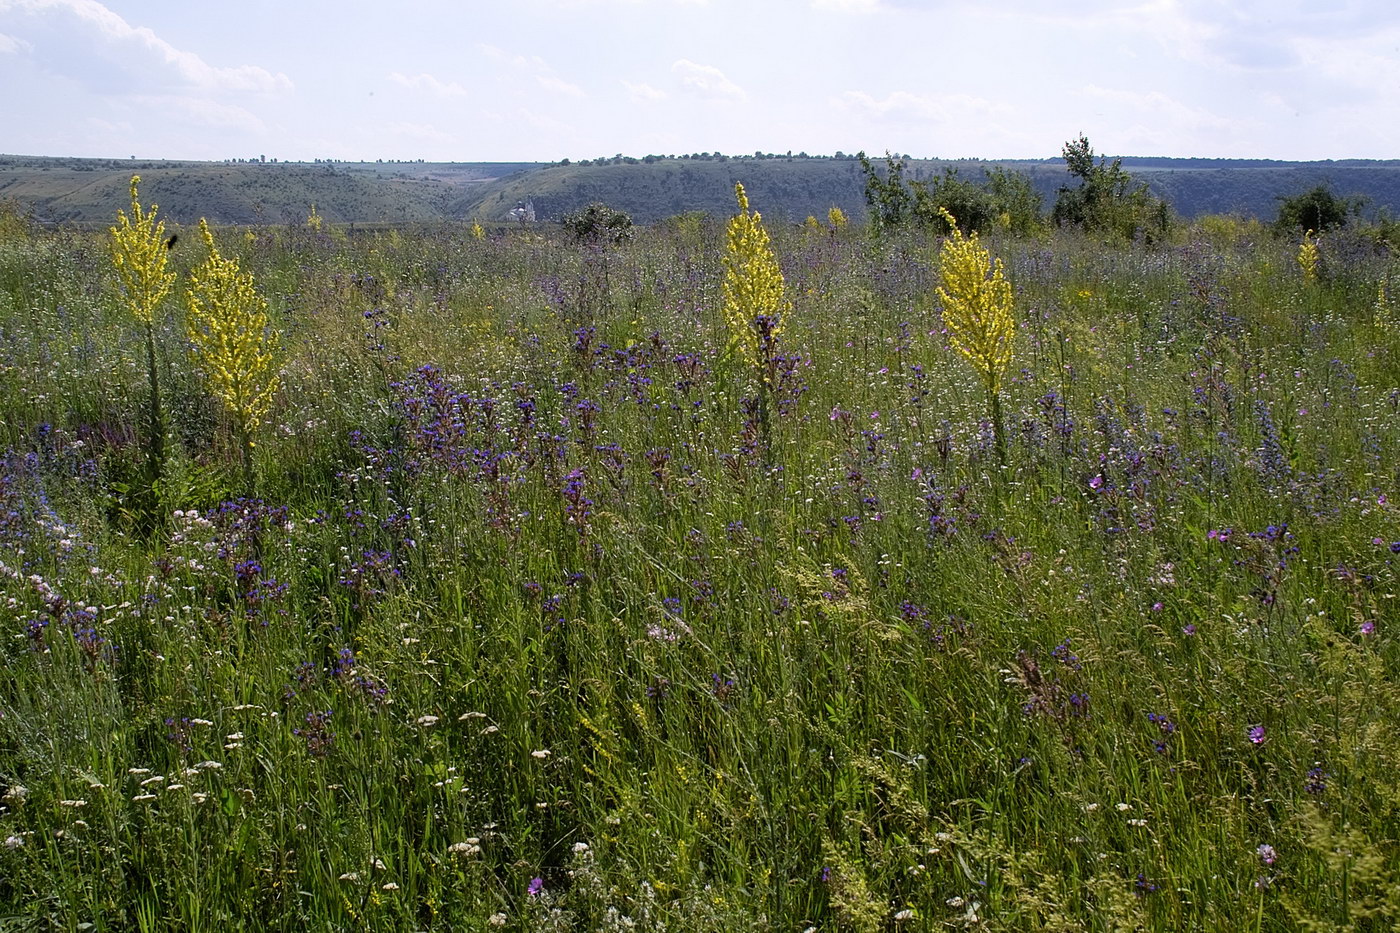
529 629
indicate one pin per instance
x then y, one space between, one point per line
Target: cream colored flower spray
232 343
755 304
141 254
977 304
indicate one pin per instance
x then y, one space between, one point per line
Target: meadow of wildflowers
565 587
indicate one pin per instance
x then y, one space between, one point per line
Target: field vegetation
740 576
653 188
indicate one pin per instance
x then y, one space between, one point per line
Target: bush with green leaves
1107 201
597 224
1003 199
1317 209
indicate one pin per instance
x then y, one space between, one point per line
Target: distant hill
90 190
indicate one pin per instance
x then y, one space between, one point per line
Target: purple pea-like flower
1267 854
535 887
1256 735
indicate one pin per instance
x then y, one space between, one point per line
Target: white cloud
902 105
847 6
544 123
559 85
428 83
9 45
643 91
1160 106
706 81
187 67
533 65
532 62
195 111
107 126
424 132
585 4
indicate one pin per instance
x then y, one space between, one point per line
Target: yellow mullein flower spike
227 326
1307 258
837 218
753 283
976 305
140 255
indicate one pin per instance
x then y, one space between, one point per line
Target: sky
543 80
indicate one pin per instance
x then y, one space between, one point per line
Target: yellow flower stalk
232 342
478 231
977 304
141 254
754 303
837 218
1307 258
313 219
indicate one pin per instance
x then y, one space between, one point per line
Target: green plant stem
155 450
998 432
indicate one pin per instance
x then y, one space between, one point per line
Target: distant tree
891 205
1019 206
1107 201
952 195
1315 210
598 224
1002 199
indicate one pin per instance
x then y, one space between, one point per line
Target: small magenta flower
1368 627
535 887
1189 629
1256 735
1267 854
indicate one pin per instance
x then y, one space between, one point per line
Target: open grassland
539 620
651 189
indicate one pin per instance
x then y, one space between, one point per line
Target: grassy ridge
82 190
528 629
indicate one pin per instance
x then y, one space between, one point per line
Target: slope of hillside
90 190
793 189
780 188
